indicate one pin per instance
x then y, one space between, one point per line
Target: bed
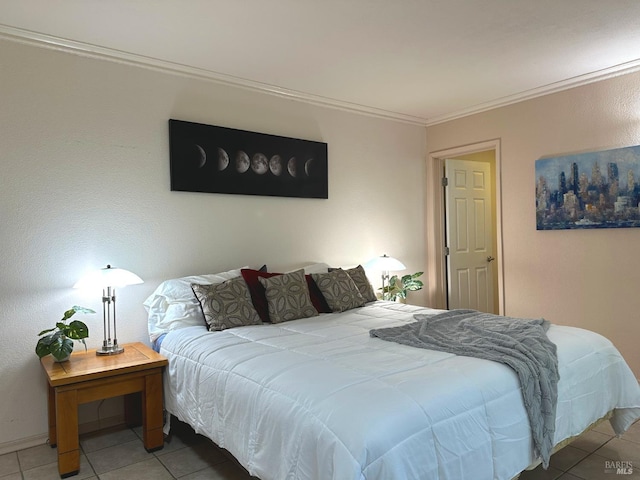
319 398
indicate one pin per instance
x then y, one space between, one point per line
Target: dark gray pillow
339 290
359 277
288 297
227 304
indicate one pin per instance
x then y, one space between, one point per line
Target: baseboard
43 438
15 445
95 425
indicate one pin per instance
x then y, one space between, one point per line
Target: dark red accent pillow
257 292
318 300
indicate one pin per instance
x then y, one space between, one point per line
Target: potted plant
58 341
398 287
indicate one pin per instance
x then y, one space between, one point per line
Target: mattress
320 399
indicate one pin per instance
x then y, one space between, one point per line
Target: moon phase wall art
211 159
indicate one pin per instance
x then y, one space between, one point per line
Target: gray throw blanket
522 344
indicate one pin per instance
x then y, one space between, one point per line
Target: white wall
85 182
586 278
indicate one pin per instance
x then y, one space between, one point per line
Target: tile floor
118 453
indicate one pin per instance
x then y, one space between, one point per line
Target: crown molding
119 56
94 51
593 77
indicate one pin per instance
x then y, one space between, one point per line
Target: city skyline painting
589 190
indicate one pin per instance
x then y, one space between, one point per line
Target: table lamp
108 279
384 264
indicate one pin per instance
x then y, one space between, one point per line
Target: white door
469 235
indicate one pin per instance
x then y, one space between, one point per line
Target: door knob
490 259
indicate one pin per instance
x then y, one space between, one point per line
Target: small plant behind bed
398 287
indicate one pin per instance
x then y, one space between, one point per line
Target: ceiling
420 61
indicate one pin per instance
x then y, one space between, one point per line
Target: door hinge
446 251
445 182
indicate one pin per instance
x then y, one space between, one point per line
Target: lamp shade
384 263
108 277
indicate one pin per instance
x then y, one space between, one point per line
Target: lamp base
110 350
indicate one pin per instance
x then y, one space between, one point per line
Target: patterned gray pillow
339 290
359 277
227 304
288 297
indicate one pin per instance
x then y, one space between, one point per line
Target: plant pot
63 359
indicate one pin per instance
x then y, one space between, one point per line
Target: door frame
435 221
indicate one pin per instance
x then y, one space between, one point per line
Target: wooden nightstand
86 377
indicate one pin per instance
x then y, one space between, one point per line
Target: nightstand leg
152 413
51 410
67 433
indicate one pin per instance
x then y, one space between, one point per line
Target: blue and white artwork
589 190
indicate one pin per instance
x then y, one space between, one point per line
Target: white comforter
319 399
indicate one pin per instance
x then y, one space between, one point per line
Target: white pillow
173 304
313 268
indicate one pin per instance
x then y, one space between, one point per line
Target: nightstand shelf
87 377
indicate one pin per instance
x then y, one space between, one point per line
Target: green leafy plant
398 287
58 341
